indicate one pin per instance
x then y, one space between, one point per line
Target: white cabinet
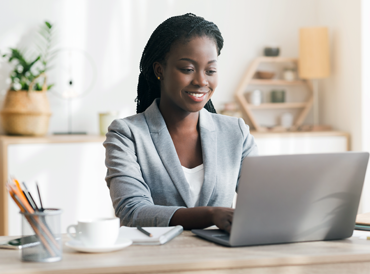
301 142
70 172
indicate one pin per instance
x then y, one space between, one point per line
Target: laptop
294 198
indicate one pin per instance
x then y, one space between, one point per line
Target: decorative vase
26 112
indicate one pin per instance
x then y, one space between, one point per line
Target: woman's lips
196 96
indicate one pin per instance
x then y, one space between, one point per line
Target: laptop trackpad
224 237
214 235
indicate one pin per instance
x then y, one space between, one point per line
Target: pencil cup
44 228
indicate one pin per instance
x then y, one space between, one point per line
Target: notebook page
363 219
137 237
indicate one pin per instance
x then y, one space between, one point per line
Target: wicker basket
26 112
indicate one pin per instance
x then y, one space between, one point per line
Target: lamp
314 59
76 76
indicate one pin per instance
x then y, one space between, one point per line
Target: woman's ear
158 70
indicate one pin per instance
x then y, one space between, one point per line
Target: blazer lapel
209 149
166 150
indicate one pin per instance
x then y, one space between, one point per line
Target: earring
159 78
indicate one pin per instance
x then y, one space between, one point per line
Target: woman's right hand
222 217
203 216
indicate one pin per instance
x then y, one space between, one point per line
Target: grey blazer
146 181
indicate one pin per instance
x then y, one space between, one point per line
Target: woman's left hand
222 217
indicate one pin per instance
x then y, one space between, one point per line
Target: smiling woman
177 162
189 75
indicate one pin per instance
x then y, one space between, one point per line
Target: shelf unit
248 80
278 105
276 82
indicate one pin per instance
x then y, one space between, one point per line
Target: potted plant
26 109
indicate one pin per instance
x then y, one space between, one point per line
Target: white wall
365 102
115 32
341 93
345 95
365 73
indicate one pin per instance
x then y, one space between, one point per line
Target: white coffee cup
101 232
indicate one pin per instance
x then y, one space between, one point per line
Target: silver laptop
295 198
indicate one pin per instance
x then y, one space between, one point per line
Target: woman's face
189 76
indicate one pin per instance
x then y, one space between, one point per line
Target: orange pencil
22 198
17 184
12 195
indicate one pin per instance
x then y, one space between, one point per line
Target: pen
144 231
30 198
38 191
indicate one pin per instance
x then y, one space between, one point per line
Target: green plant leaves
26 71
48 24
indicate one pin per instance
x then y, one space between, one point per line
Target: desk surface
189 253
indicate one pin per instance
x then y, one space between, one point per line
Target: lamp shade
314 53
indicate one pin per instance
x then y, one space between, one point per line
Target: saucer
78 246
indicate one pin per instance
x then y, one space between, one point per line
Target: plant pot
26 113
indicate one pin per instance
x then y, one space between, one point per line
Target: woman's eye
187 70
211 72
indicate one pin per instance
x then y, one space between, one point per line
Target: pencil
144 231
19 187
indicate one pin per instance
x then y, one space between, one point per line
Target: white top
194 177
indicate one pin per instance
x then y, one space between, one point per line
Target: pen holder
44 229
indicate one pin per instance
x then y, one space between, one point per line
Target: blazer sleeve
130 194
249 145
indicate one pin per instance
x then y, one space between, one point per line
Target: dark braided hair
183 27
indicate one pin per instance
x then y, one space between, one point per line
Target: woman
177 162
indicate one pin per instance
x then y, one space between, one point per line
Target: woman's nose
200 79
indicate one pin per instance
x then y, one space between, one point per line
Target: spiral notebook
161 235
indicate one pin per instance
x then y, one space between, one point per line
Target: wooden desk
189 254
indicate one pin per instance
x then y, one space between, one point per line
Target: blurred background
97 46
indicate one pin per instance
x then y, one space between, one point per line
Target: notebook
161 235
363 221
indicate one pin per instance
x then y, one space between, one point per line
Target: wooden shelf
278 105
248 79
276 82
277 59
7 139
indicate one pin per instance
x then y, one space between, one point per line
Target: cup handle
70 234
